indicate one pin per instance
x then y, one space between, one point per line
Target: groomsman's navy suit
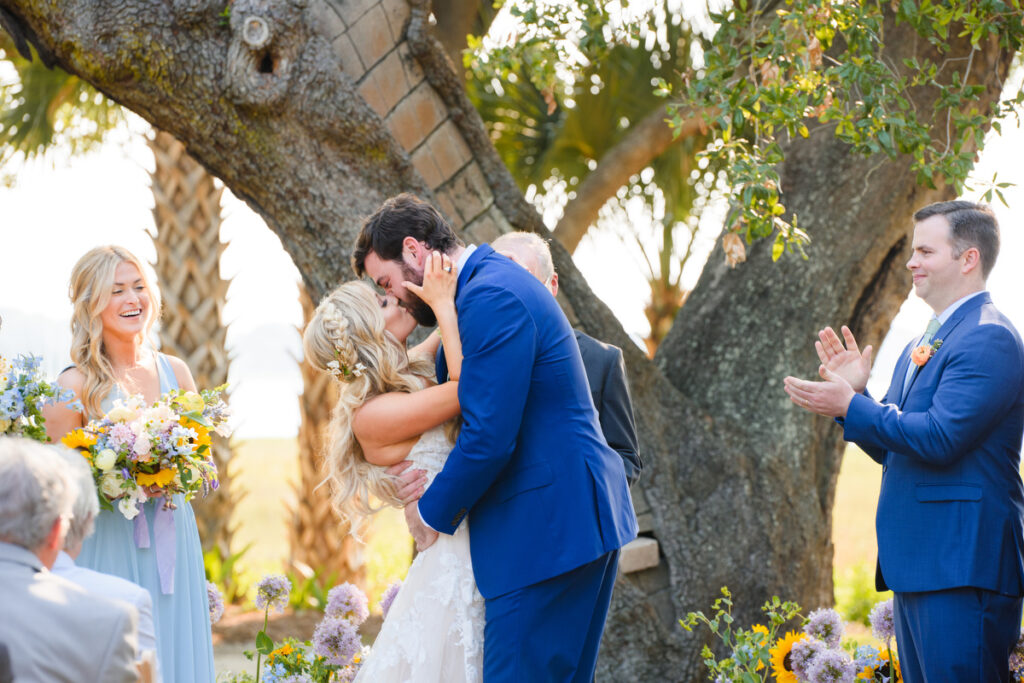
546 497
950 520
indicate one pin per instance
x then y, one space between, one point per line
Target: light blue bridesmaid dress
180 609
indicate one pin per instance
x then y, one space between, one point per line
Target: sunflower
79 438
161 478
781 660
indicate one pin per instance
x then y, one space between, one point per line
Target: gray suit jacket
55 631
606 374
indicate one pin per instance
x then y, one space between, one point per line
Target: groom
546 498
948 432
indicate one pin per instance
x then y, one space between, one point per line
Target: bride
391 410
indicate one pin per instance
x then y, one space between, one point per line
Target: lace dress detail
434 631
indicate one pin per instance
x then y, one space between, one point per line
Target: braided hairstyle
347 329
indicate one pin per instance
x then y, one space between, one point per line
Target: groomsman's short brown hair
970 225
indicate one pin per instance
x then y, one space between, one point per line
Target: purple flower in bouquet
882 621
825 625
120 436
215 601
803 654
336 641
272 591
389 597
347 602
832 666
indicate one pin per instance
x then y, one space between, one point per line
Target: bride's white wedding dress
434 631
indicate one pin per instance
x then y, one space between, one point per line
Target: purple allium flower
1017 657
803 654
272 591
336 641
347 602
215 601
296 678
832 666
882 624
389 597
825 625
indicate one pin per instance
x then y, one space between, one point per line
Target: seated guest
84 511
53 629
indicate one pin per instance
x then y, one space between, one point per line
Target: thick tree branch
644 142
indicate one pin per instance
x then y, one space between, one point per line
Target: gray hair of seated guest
34 491
86 505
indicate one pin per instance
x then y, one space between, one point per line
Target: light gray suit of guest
115 588
55 631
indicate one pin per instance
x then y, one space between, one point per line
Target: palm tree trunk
187 213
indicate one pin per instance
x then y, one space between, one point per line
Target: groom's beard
420 311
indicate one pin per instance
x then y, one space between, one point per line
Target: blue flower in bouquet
180 440
832 666
825 625
881 618
12 405
389 597
273 673
336 641
347 602
272 591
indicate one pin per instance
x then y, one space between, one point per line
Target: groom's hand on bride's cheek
411 482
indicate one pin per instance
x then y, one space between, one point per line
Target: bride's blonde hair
92 282
348 329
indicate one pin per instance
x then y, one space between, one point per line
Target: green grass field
267 469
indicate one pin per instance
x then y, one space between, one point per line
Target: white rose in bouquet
142 445
105 459
110 485
129 506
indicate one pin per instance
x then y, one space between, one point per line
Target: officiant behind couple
529 484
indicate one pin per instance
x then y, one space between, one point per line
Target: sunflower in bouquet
138 452
23 393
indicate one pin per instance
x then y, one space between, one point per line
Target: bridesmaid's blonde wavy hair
348 327
92 281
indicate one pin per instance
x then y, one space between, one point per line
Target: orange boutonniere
922 354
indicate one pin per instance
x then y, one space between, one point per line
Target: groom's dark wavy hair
970 225
401 216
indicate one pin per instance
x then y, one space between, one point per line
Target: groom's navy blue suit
950 519
546 497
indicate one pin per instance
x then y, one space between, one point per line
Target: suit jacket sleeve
616 415
499 346
876 454
122 650
978 384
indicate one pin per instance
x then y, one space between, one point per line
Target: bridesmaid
115 307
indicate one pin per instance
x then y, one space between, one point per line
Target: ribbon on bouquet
166 542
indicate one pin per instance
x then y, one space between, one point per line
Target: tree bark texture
314 115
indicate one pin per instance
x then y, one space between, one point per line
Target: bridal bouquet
23 393
138 452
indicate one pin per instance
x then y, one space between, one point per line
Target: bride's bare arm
387 426
438 291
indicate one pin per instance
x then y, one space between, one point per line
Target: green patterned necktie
929 333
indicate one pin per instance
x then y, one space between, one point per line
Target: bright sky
59 209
